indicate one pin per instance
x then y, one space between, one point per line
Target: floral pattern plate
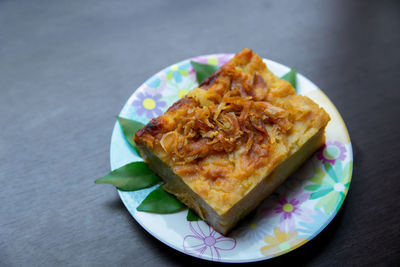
300 208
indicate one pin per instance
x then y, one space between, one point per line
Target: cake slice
232 141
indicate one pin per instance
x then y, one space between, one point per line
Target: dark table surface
67 67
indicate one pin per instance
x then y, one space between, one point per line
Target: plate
299 209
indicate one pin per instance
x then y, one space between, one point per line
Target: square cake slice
232 141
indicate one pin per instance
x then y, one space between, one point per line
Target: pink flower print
206 241
331 152
290 211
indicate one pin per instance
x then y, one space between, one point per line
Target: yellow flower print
281 242
182 93
212 61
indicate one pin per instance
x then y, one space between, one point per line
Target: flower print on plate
204 240
281 242
330 185
307 229
177 71
149 104
282 222
290 210
256 225
154 82
179 81
331 152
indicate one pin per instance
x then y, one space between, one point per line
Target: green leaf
203 70
129 128
291 77
159 201
192 216
132 176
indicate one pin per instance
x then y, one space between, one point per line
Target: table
67 67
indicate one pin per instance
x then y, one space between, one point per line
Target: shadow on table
301 256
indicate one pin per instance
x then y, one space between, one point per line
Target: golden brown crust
224 137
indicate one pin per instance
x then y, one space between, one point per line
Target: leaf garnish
160 201
192 216
129 128
203 70
130 177
291 77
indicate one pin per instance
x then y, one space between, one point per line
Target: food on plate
229 143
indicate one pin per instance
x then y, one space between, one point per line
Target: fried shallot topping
231 115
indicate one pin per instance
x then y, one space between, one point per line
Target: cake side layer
176 186
223 223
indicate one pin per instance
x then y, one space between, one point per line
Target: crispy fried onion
236 123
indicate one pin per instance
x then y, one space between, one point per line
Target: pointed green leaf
203 70
132 176
291 77
192 216
129 128
159 201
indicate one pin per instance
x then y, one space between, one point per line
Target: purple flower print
206 241
149 104
290 211
331 152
